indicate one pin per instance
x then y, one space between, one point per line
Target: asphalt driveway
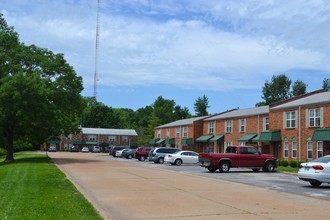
119 190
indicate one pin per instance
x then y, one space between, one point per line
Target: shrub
2 152
284 163
293 163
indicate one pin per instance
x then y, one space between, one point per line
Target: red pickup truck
238 156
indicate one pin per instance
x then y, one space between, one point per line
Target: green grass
287 169
34 188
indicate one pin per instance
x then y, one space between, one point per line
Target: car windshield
322 160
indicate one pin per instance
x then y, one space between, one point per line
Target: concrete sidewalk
119 190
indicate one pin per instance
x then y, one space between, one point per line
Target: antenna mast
97 48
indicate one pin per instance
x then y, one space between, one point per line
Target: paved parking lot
122 190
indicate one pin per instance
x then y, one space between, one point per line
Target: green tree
39 92
326 84
277 89
181 113
299 88
201 105
163 110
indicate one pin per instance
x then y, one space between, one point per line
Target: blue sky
183 49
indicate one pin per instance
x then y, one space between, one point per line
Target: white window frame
177 132
159 133
242 143
112 138
314 118
167 132
228 126
211 127
290 119
309 149
124 138
92 137
228 144
185 132
242 125
266 123
286 148
294 148
319 148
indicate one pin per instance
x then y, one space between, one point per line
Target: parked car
74 149
142 153
128 154
180 157
96 149
106 149
116 148
316 171
52 149
157 154
119 152
85 150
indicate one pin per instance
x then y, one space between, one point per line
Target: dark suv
116 148
157 154
142 153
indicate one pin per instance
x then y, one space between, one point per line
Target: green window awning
91 142
170 141
186 141
78 142
153 141
217 138
255 139
247 138
160 141
267 136
204 138
322 134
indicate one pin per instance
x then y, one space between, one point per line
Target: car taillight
317 167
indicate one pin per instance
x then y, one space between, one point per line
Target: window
242 124
294 147
211 127
228 128
92 137
290 119
167 132
159 133
309 149
286 148
177 132
112 138
319 149
185 132
314 117
242 143
228 144
266 124
124 138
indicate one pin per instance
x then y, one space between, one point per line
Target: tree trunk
10 146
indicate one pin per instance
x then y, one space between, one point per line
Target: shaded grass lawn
34 188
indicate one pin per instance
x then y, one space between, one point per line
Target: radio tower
97 48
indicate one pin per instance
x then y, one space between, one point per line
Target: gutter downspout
299 135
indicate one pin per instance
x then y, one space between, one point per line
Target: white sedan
316 171
180 157
119 152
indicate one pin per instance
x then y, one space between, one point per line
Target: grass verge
33 188
287 169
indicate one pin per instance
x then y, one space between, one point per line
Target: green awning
322 134
160 141
133 144
255 139
217 138
153 141
78 142
186 141
267 136
247 138
204 138
170 141
91 142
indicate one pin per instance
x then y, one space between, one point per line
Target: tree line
40 98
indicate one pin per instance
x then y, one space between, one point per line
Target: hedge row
291 163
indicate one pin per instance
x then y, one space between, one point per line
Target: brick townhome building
294 129
102 137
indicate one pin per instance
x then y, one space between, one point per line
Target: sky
180 49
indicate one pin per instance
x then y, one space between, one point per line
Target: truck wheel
161 160
142 158
211 169
224 167
269 167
